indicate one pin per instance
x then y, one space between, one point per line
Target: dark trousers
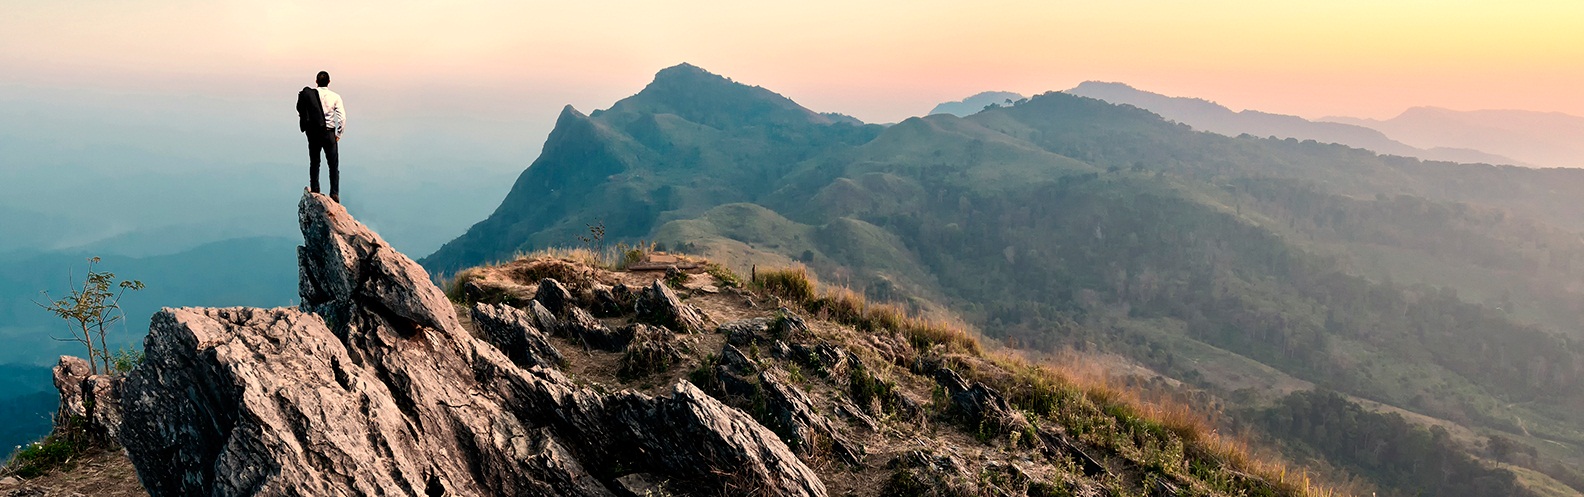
324 140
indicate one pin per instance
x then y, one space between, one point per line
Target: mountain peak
1097 85
974 104
684 70
703 97
1123 93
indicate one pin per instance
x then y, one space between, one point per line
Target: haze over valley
1223 249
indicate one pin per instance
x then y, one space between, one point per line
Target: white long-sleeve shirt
334 110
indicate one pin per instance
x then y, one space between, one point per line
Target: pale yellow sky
880 61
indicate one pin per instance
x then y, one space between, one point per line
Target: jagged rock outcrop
978 405
827 358
581 326
510 330
788 325
88 401
926 473
745 332
658 305
605 303
783 406
650 349
372 387
553 296
792 413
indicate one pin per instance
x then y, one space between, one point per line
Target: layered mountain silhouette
1209 116
1550 139
972 105
689 141
1440 291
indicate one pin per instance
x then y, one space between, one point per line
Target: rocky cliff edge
372 386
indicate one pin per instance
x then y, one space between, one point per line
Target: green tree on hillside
90 310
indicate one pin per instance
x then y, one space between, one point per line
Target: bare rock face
924 472
582 326
785 408
745 332
650 349
658 305
348 275
976 404
372 387
510 330
554 296
605 303
92 401
792 413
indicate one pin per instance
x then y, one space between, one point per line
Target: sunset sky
879 61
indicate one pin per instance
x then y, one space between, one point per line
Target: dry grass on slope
1136 445
98 472
1159 435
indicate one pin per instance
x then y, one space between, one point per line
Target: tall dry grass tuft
615 257
843 305
793 283
455 287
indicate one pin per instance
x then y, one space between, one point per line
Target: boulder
826 358
372 387
554 296
580 326
544 319
792 414
605 304
787 325
978 405
650 349
347 274
641 485
927 473
88 401
658 305
736 375
784 407
745 332
510 330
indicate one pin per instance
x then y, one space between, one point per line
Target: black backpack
310 113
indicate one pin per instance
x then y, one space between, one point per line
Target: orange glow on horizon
880 61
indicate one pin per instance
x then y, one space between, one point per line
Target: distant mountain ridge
1550 139
972 105
1210 116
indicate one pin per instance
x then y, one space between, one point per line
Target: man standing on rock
322 117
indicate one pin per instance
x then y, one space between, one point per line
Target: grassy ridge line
1163 436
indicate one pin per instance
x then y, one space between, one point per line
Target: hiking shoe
336 197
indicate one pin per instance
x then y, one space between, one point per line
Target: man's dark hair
323 79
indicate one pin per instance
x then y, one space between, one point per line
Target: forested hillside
1247 267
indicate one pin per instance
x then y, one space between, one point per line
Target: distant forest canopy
1060 221
1404 458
